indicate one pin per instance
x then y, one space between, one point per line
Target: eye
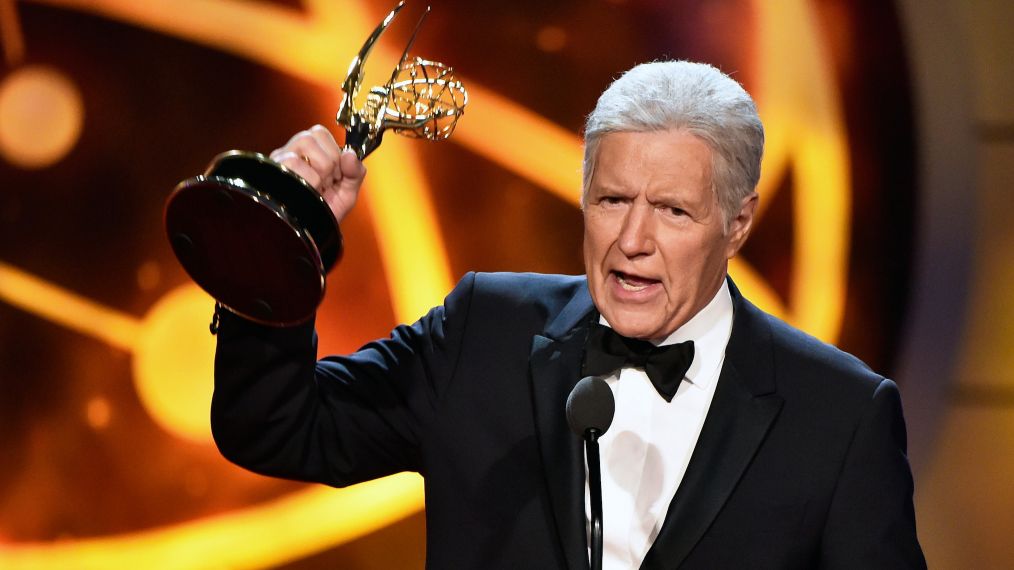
674 211
611 200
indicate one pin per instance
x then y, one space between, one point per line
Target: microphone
590 409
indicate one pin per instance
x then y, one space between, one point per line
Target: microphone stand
591 446
590 409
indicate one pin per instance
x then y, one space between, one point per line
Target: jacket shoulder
808 348
525 284
528 302
803 363
547 291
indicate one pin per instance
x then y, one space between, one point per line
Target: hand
337 174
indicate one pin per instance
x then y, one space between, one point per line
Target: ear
739 226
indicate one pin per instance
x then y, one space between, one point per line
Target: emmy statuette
257 237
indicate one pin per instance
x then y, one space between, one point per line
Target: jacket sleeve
341 420
871 523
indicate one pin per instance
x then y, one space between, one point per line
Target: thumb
353 171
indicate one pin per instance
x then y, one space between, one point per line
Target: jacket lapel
556 368
742 411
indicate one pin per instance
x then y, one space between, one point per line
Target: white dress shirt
647 448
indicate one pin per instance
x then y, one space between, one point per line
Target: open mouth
632 282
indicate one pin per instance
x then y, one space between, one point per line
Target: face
655 245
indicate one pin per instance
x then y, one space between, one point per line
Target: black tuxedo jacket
800 464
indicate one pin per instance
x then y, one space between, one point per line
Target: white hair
696 98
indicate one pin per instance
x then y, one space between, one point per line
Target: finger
307 146
298 164
330 146
350 171
326 140
312 153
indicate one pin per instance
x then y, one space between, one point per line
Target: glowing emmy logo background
425 215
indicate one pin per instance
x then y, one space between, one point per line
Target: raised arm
345 419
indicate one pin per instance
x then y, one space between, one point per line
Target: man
765 449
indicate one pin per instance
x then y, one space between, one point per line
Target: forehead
654 160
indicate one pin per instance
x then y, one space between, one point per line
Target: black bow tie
607 351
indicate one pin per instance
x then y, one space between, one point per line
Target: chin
634 327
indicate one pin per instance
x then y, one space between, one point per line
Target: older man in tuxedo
760 448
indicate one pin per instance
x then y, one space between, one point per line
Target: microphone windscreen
590 405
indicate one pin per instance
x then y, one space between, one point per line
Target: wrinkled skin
656 246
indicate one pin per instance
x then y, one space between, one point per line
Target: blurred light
59 305
522 142
805 128
278 531
10 30
40 117
195 482
148 276
551 39
174 363
98 412
411 247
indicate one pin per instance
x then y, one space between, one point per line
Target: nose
637 236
